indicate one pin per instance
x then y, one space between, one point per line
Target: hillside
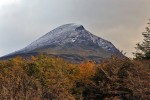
72 42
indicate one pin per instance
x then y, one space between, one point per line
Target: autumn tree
143 49
49 78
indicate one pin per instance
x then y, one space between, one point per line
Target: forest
45 78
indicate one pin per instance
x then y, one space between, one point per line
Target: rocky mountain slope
72 42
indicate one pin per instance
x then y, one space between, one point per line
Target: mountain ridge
71 39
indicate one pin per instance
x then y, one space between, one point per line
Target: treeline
44 78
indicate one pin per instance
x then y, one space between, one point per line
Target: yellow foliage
87 69
45 78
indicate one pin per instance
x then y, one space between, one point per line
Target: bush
44 78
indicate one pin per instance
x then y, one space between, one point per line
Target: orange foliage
87 69
53 78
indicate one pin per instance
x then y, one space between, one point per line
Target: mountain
72 42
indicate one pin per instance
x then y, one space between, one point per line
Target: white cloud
8 2
2 52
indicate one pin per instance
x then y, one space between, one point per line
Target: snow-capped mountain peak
71 39
68 33
62 34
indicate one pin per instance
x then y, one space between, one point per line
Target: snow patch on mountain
69 33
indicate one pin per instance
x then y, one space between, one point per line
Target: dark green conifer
143 49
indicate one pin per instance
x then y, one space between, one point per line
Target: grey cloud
119 21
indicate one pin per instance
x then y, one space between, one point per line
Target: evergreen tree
143 49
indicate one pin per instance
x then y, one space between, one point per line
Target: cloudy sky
119 21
